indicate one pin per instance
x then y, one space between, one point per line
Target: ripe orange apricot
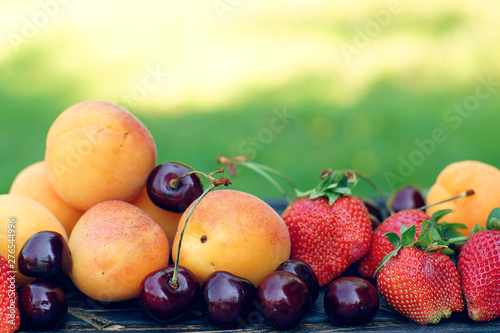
33 182
232 231
21 218
459 177
167 220
114 246
98 151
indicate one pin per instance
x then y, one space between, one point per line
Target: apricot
33 182
114 245
232 231
459 177
21 218
98 151
167 220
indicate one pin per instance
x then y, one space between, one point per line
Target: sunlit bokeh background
394 89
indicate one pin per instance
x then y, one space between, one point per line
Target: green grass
373 136
369 114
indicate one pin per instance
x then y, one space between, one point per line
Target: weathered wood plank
87 315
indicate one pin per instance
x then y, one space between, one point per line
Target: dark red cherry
284 299
45 255
178 198
227 300
407 197
42 305
305 273
167 303
375 211
351 301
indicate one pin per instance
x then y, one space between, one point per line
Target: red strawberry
421 285
9 311
479 267
329 230
380 246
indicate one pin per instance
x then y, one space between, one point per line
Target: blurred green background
394 89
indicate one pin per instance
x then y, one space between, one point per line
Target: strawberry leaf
446 233
440 214
433 229
495 212
316 195
386 258
333 184
407 235
493 224
393 238
406 239
332 198
446 250
449 232
475 229
301 194
343 190
493 221
429 239
425 238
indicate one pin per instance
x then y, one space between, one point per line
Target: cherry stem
372 184
461 195
262 170
258 168
173 183
377 189
214 182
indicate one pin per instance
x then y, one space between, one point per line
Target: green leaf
449 231
447 251
424 238
393 238
493 224
332 197
475 229
451 227
343 190
332 185
494 215
440 214
433 229
407 235
301 194
316 195
495 212
386 258
457 240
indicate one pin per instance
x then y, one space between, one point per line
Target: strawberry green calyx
433 236
333 184
445 233
337 183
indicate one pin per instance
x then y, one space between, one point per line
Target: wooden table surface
88 315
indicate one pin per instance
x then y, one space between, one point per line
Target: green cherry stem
271 170
214 182
377 189
263 170
264 174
